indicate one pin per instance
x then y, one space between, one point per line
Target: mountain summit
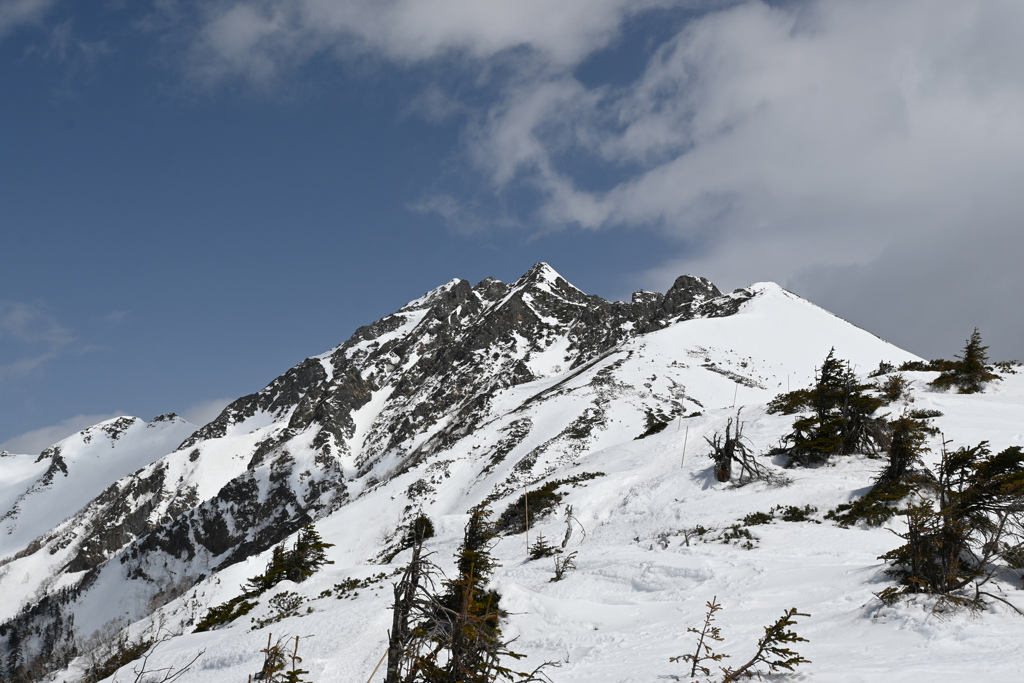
495 385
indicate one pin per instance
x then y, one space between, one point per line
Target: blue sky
196 196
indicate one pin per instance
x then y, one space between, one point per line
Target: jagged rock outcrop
396 396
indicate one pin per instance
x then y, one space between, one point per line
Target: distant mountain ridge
459 382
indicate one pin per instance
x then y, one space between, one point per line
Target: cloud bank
257 40
866 153
842 148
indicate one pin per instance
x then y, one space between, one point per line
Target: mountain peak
543 270
690 289
542 276
431 297
466 393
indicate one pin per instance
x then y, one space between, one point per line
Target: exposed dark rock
688 290
441 360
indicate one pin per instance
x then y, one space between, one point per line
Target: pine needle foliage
707 635
774 650
541 502
965 527
840 420
541 548
276 658
563 565
971 372
454 636
904 473
305 558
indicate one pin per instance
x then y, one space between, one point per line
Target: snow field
637 587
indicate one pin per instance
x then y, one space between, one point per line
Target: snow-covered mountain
465 394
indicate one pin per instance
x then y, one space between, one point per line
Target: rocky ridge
405 396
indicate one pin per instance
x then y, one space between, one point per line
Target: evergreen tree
541 548
969 518
903 474
971 372
273 661
907 437
298 564
454 637
841 420
276 571
473 611
308 555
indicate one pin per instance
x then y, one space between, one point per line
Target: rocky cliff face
406 395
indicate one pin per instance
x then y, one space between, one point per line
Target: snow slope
393 422
80 467
638 584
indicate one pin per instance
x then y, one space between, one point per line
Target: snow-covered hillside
473 393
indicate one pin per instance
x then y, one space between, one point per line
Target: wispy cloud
833 146
114 317
15 13
30 337
257 40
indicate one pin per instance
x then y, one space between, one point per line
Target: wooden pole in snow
377 667
526 510
685 437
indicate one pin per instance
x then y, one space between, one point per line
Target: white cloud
816 144
114 317
258 39
14 13
37 440
761 119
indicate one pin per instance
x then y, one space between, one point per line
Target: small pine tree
308 555
274 661
468 619
707 635
294 675
277 570
541 548
961 526
418 530
772 650
907 438
971 372
841 421
473 610
903 474
302 561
